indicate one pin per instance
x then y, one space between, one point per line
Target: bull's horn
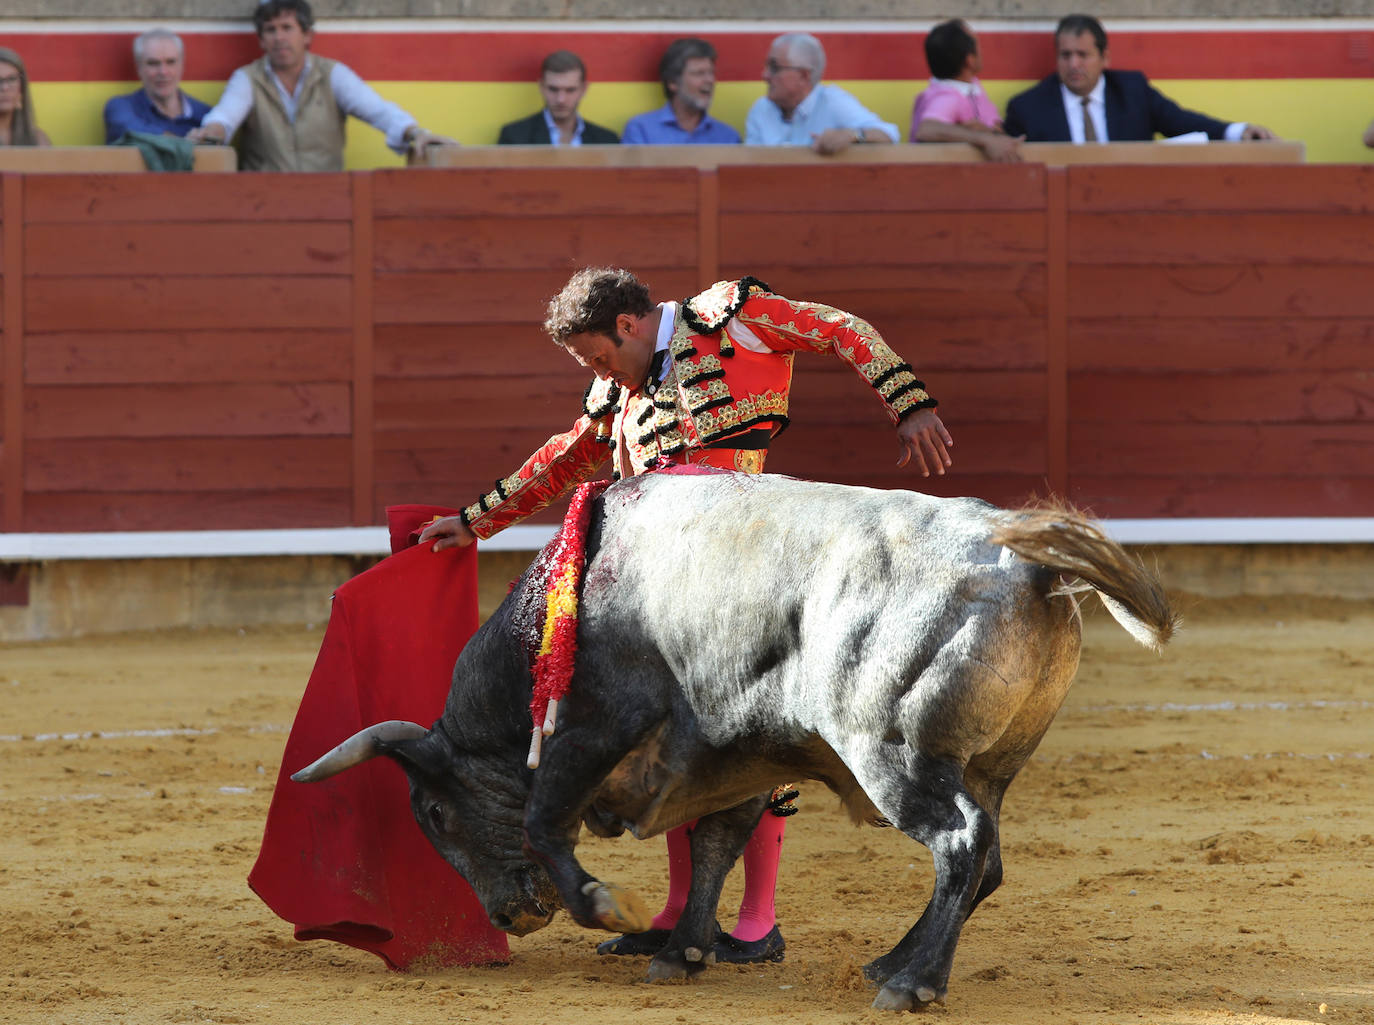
358 749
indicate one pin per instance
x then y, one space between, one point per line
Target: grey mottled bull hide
741 632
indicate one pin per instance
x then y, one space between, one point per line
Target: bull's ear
418 757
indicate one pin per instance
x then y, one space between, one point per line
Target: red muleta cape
343 859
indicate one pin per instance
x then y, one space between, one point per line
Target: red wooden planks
152 198
186 464
188 357
1262 188
980 449
566 243
896 238
1237 342
1192 237
188 249
1287 451
1257 396
439 404
195 510
1015 396
500 296
197 303
424 350
615 194
881 187
1221 291
190 410
1164 494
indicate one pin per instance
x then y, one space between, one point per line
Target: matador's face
624 360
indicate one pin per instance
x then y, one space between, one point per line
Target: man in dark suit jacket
1084 102
562 83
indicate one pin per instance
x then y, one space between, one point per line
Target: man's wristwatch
858 135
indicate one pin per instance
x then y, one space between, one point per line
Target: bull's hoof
636 944
891 998
732 951
670 964
617 909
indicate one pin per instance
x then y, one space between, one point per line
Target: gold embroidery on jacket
749 460
716 423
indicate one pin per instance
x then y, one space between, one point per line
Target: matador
702 381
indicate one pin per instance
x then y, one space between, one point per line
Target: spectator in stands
955 107
562 83
160 107
292 104
1084 102
688 74
18 125
799 111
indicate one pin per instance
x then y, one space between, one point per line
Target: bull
740 632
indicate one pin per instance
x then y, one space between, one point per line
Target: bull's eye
436 817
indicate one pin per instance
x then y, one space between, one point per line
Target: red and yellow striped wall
1308 79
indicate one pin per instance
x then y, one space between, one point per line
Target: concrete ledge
55 599
171 544
76 597
354 541
1244 530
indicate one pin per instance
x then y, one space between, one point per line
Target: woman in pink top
954 107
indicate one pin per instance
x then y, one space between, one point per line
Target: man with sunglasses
798 110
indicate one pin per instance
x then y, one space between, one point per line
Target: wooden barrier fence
247 351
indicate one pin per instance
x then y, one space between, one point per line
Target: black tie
656 371
1089 129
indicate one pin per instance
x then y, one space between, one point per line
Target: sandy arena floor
1193 843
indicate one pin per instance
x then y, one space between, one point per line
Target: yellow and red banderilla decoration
553 665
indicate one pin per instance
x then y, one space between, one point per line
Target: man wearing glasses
799 111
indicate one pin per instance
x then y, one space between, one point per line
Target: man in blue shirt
160 107
799 111
688 74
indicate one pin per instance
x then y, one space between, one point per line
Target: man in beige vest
292 104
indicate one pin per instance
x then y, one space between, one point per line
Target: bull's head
472 813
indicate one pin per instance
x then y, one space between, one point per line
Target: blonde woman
17 127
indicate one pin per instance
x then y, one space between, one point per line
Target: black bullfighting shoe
636 944
729 950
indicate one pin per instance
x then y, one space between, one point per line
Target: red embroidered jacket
731 372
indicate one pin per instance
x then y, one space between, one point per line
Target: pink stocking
756 913
679 875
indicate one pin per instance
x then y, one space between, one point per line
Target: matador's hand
924 439
451 532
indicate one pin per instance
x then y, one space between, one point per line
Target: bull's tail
1069 542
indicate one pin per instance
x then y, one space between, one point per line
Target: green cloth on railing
161 152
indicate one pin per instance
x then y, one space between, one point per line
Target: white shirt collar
1097 97
970 89
555 131
665 325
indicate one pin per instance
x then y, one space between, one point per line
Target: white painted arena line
1226 706
137 795
1163 707
183 731
1220 706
